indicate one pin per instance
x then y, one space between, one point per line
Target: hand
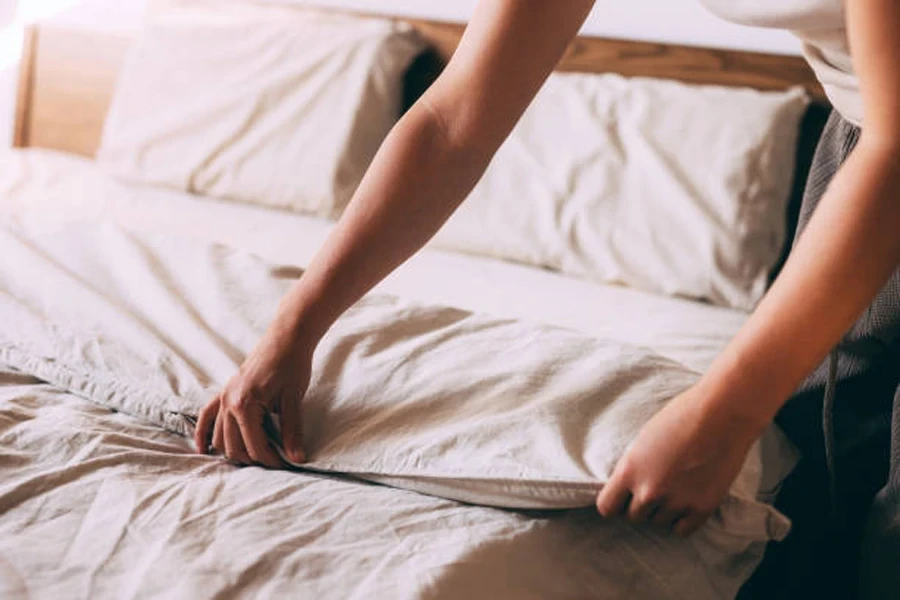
273 378
682 464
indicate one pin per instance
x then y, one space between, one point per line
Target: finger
250 424
614 498
292 427
234 444
204 429
689 523
667 515
641 508
218 439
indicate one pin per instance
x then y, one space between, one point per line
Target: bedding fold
438 400
95 503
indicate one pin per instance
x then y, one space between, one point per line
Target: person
840 277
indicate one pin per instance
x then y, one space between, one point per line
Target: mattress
94 503
55 188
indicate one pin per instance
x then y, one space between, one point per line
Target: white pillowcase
654 184
439 400
268 105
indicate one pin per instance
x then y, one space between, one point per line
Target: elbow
461 127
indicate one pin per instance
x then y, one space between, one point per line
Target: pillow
666 187
267 105
439 400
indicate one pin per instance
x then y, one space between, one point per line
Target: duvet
451 453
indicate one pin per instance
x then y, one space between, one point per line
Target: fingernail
297 456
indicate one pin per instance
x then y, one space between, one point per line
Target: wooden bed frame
68 76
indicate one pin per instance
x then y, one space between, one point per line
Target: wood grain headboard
67 76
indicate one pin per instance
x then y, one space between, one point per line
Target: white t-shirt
822 26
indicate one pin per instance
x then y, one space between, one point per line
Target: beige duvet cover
96 503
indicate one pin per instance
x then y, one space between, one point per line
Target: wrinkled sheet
528 416
147 326
52 189
95 503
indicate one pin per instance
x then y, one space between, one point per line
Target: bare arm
423 171
852 243
437 152
685 459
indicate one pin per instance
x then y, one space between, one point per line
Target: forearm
416 180
433 157
841 261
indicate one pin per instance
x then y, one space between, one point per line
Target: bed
97 503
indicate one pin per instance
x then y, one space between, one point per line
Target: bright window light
7 12
29 11
11 39
26 11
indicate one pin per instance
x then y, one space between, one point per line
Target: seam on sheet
166 412
97 387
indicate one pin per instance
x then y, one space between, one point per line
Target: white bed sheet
95 504
53 187
182 525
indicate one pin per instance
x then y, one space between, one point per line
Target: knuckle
242 399
648 494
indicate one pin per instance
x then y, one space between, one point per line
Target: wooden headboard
67 76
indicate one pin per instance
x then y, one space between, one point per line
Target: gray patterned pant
844 544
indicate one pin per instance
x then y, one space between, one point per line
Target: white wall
673 21
7 12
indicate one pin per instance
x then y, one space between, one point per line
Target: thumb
292 427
